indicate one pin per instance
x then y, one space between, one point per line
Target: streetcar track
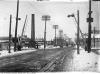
28 63
53 62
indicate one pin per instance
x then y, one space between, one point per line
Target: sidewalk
83 62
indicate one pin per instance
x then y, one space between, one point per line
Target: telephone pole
16 25
10 33
89 20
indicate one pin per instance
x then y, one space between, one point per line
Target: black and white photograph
41 36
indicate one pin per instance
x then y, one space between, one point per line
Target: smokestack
33 27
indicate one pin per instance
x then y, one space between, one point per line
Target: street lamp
55 27
71 15
77 21
45 18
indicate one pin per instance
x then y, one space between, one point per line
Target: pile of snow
6 53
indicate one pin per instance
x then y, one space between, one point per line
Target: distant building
4 46
96 40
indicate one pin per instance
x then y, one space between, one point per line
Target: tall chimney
33 27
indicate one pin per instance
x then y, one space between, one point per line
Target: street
30 62
52 60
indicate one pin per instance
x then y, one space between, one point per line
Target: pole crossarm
45 17
55 26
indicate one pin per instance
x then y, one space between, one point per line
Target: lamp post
55 27
77 21
45 18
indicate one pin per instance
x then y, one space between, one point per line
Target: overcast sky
57 10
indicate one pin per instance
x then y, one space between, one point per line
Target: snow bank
5 53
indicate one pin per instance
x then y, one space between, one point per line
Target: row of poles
47 18
89 20
15 29
44 18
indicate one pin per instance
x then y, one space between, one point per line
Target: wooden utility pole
89 20
16 25
10 33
